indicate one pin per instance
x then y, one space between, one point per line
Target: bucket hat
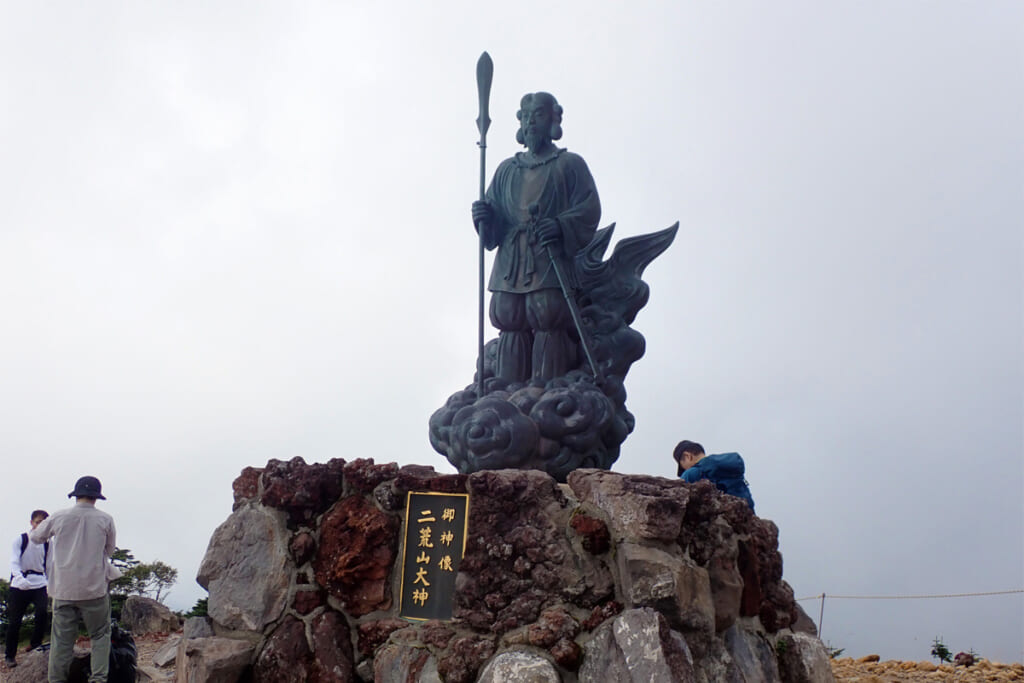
87 487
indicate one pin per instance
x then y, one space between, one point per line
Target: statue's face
536 124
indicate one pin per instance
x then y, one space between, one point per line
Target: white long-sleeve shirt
32 559
81 539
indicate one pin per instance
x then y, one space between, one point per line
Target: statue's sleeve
498 197
580 218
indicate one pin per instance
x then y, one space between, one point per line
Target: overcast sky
232 231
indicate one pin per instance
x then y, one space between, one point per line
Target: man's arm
43 532
16 556
108 549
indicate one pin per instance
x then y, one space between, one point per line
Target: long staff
570 301
484 73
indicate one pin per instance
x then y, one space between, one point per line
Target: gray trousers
95 614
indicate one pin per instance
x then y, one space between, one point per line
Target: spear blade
484 73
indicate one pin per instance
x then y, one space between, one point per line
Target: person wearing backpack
28 587
83 541
725 470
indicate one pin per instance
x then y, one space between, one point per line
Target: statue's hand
549 232
482 212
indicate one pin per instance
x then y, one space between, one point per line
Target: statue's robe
562 188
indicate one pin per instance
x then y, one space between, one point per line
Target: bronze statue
549 392
541 209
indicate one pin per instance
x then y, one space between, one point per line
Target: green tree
940 651
152 579
834 652
200 609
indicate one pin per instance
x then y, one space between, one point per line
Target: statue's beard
535 140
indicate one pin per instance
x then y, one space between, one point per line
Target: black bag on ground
123 656
123 659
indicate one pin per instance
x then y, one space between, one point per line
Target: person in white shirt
83 541
28 587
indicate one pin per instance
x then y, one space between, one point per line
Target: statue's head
540 116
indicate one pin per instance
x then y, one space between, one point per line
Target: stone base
608 577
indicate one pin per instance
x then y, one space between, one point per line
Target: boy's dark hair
685 447
39 513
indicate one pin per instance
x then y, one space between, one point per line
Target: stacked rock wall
609 577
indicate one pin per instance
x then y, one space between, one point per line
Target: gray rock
197 627
726 590
671 585
804 623
638 506
212 660
167 654
803 659
245 569
637 646
31 668
752 654
142 615
519 667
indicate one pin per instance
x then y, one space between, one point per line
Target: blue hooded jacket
726 471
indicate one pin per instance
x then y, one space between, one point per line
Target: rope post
821 614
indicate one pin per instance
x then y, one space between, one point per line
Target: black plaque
435 541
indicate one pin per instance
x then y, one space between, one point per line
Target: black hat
87 487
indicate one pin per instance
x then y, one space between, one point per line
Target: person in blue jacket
724 469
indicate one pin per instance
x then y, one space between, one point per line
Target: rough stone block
637 646
332 649
197 627
402 664
803 659
675 587
519 667
245 570
142 615
285 658
212 660
752 654
358 545
638 507
167 653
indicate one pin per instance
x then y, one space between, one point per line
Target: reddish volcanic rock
423 478
246 486
552 626
567 654
301 490
286 657
436 633
301 547
363 476
596 539
466 656
357 549
600 614
333 661
306 601
373 634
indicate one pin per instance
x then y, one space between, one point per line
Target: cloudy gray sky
231 232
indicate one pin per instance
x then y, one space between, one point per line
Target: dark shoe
9 661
